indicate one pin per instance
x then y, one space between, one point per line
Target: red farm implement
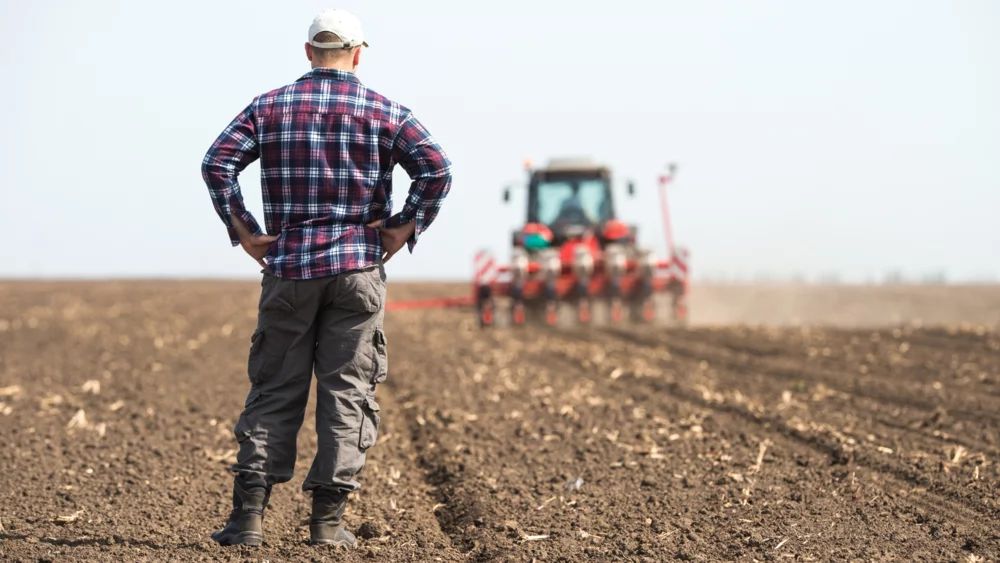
574 252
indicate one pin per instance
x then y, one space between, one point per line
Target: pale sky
852 137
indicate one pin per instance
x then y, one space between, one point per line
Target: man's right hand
393 238
254 245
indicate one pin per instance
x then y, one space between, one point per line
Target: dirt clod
370 530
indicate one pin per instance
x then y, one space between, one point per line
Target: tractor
574 251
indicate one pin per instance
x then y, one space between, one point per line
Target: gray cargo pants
332 325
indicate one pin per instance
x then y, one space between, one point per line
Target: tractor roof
572 164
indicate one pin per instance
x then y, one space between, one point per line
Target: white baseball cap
343 24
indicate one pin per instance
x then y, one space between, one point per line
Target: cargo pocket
369 423
262 362
381 357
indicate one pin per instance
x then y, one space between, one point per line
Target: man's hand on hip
254 245
393 238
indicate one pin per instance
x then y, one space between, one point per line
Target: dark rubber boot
326 526
245 525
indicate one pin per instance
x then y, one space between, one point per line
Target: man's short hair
330 54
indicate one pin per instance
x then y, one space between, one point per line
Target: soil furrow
871 387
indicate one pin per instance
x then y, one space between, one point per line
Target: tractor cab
570 200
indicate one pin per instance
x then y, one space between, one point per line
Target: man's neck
346 67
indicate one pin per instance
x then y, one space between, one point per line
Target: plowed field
806 439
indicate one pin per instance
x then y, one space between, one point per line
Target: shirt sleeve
234 149
430 174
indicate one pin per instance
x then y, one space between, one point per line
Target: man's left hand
393 238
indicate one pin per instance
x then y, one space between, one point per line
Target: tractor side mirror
631 188
506 194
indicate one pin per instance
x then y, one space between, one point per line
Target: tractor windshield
574 201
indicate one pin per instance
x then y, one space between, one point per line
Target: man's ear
309 52
357 57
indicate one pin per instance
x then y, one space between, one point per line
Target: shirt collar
330 74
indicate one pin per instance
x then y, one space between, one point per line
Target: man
327 147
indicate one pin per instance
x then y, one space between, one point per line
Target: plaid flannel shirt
327 147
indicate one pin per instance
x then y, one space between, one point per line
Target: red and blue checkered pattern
327 147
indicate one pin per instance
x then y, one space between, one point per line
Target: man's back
327 147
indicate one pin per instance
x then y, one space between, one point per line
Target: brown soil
738 443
